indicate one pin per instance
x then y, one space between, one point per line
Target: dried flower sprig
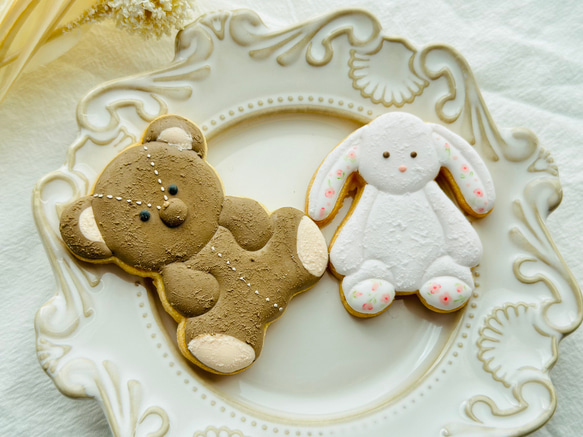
27 25
149 18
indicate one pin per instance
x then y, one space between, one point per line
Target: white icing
403 227
88 226
176 137
370 296
221 352
445 293
311 247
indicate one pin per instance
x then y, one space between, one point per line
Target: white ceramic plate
272 104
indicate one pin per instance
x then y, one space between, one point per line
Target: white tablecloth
527 59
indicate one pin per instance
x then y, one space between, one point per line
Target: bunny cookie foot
369 298
222 353
445 293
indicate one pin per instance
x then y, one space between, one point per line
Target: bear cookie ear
177 131
80 231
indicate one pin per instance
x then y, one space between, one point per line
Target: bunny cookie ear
330 182
466 172
177 131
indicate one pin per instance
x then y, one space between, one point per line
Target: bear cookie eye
173 189
413 154
144 215
386 154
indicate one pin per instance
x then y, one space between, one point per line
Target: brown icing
191 292
222 265
152 244
248 221
173 212
274 271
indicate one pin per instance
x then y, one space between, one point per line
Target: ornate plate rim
461 107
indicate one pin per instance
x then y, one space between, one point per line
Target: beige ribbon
40 29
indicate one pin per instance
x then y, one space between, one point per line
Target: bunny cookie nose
173 212
402 168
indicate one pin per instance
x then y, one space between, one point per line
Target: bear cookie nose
173 212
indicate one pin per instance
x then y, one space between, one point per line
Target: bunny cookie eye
386 154
413 154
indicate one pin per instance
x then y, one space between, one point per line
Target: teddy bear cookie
403 234
224 267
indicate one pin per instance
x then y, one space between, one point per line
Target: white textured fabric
526 56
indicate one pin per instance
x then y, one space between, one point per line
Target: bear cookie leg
447 286
369 291
222 352
220 341
255 288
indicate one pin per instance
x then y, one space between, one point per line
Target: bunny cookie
224 267
403 235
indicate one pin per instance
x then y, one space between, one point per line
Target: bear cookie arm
248 221
224 267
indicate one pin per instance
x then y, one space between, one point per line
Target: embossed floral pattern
512 340
223 431
386 75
